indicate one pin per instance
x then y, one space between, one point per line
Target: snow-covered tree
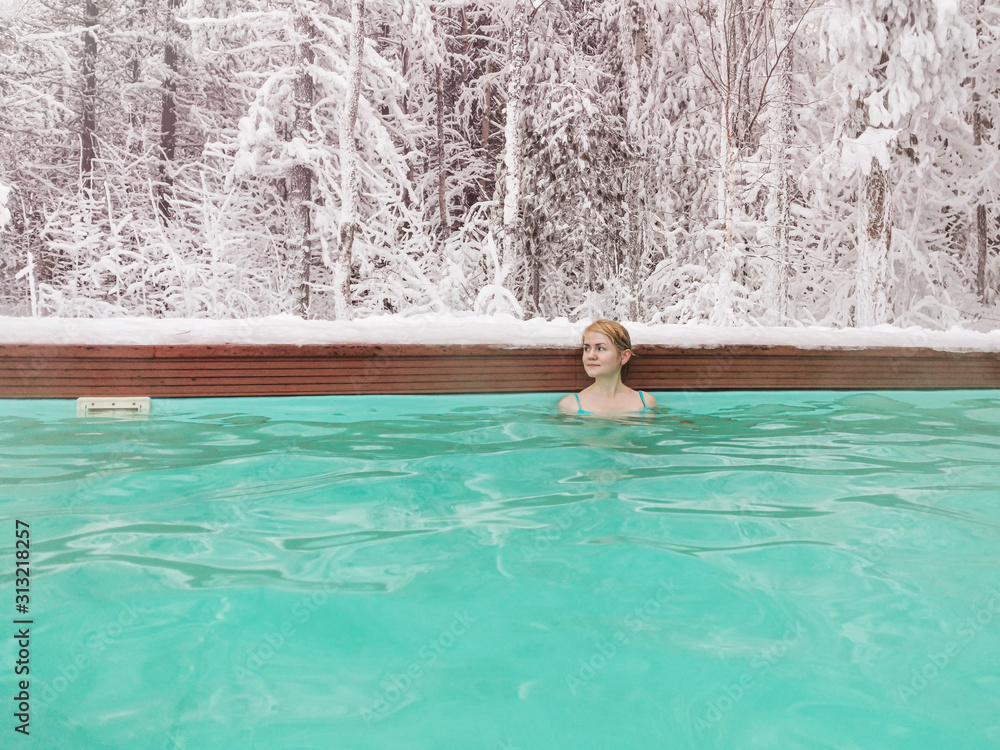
900 65
726 161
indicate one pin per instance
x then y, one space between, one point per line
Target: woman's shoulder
569 403
648 399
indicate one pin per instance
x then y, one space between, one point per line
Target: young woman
607 348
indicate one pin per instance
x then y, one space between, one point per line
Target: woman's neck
609 385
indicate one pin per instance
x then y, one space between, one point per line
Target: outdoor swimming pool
780 570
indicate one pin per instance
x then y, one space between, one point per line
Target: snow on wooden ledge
440 329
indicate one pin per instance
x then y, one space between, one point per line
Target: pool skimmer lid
112 406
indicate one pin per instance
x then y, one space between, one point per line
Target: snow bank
461 329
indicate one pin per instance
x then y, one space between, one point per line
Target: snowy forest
725 162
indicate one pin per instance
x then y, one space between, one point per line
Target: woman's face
600 357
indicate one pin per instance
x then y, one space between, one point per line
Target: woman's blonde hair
618 335
614 331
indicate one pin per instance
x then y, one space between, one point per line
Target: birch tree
632 42
88 97
511 244
732 58
168 112
298 244
782 126
348 224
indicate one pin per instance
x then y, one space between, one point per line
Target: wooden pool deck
161 371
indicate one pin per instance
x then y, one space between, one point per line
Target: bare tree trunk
487 108
349 168
534 290
485 126
88 131
405 106
982 237
741 30
871 302
442 186
298 244
725 91
512 216
631 39
737 114
627 34
724 311
168 119
465 46
983 247
457 86
745 38
135 25
872 273
783 128
978 127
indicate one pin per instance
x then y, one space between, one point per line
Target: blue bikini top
581 410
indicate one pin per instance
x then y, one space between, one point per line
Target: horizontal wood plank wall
71 371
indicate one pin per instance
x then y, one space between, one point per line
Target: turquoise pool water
778 570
